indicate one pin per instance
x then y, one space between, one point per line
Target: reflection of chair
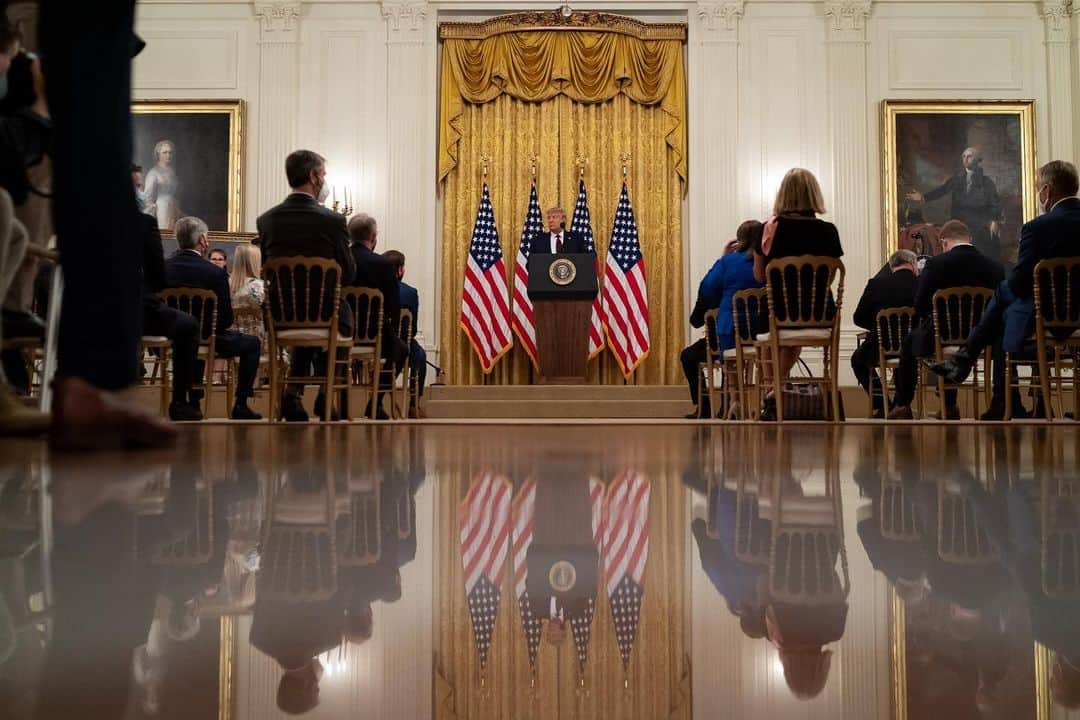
955 312
961 537
367 309
893 326
194 547
1060 516
359 528
298 561
804 295
898 519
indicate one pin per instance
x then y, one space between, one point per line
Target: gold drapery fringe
585 65
659 676
558 131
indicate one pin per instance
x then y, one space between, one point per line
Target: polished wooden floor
742 571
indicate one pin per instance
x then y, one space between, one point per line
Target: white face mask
1044 205
324 192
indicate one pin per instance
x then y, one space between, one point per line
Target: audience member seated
410 300
375 272
301 226
218 257
893 287
734 271
188 268
793 230
248 290
959 264
1009 319
160 319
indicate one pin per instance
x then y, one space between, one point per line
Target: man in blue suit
1009 319
410 300
557 239
188 267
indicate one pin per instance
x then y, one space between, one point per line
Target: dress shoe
417 413
768 410
956 369
952 412
18 419
878 414
85 417
320 409
703 413
902 412
380 414
22 325
241 411
292 410
184 412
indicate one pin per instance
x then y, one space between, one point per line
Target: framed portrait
192 156
972 161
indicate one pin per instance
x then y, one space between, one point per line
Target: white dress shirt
554 237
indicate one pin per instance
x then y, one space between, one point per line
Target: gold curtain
561 95
658 678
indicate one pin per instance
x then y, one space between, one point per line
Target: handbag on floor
806 401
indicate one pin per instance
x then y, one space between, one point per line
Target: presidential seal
562 272
562 576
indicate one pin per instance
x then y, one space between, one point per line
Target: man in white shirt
557 239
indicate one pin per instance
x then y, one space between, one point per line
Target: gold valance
592 64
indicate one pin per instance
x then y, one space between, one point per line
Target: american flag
485 315
522 319
484 521
582 625
625 300
582 223
625 552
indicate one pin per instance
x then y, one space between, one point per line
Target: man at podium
557 239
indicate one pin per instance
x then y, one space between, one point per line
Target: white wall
771 84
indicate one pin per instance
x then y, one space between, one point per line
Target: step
565 393
557 409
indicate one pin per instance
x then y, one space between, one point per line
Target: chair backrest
199 303
804 291
359 531
957 310
367 308
893 325
898 519
712 338
406 326
248 319
195 547
302 292
962 539
746 307
1057 293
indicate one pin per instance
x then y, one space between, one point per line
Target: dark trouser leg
690 358
301 360
86 51
183 331
992 322
906 375
417 367
247 348
864 364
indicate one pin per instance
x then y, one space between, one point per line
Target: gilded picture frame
924 143
204 174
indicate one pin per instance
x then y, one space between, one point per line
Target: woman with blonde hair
247 290
794 229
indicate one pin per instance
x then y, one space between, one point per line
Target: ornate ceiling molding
277 19
721 16
403 15
554 20
1056 14
848 15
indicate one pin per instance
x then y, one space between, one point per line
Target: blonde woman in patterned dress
247 290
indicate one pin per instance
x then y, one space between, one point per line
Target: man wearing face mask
301 226
1009 318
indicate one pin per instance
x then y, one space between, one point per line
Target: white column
1059 79
409 225
713 80
849 204
275 136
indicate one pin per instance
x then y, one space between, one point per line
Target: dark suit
963 265
975 206
160 319
410 300
299 226
1009 319
375 272
573 242
186 268
885 290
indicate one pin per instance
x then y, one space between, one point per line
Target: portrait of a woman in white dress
161 187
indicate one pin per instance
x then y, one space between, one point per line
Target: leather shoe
380 414
18 419
184 412
320 409
22 325
417 413
956 369
292 410
952 412
85 417
903 412
241 411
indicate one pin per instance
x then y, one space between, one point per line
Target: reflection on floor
545 572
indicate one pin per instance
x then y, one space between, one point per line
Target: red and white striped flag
582 223
581 625
626 301
484 522
522 318
485 314
625 553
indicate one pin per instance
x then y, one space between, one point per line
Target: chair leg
778 382
231 369
376 368
165 388
1008 387
273 401
834 377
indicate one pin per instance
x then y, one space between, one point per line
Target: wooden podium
562 288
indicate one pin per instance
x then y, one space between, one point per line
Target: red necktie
558 243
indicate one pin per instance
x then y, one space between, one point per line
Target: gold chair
158 376
955 312
1057 330
962 539
1060 547
303 297
893 326
406 330
359 528
195 547
201 305
805 294
366 353
707 370
747 306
